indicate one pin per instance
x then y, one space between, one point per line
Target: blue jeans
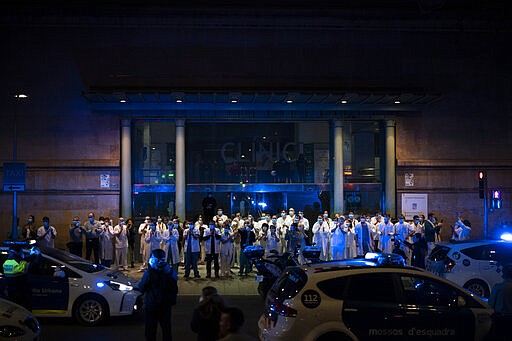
191 263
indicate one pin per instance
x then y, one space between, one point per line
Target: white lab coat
194 242
208 240
386 232
153 240
338 236
350 243
106 246
321 238
272 242
170 239
121 240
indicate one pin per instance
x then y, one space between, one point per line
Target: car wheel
90 310
478 288
338 336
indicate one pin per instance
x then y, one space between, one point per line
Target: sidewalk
234 286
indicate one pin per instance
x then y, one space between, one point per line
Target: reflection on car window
333 287
364 288
44 267
425 291
477 252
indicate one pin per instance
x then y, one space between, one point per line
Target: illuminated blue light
507 236
262 204
100 284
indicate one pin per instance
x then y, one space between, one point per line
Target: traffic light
482 178
496 198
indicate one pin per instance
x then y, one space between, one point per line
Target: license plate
259 278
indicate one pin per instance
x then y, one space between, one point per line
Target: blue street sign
14 173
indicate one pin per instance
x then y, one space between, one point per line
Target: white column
338 168
390 171
180 169
126 168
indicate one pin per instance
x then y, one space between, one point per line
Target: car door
432 309
50 288
370 306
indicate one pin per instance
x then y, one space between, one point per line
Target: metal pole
14 230
486 207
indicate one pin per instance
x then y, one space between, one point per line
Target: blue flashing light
507 236
100 285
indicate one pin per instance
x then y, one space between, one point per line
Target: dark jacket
159 287
205 320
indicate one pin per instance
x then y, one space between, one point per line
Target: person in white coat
121 245
226 250
143 229
350 240
364 241
321 230
106 246
46 234
338 236
386 230
272 241
191 248
211 237
153 239
282 229
403 233
170 237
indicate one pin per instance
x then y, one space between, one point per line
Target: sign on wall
105 181
409 180
414 204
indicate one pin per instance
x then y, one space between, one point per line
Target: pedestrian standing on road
132 232
226 250
106 242
170 238
501 301
144 250
419 249
30 228
76 237
92 243
159 284
206 316
247 238
230 325
211 237
191 247
46 234
121 245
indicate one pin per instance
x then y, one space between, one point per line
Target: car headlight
32 324
11 331
119 286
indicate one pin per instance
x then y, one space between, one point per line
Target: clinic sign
14 176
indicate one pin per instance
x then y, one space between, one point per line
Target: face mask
191 226
283 214
272 231
146 221
76 223
121 223
46 224
421 219
248 229
320 220
386 220
401 221
363 220
91 220
267 218
325 215
29 221
265 229
433 219
291 212
159 220
226 230
347 224
292 228
295 220
274 221
351 216
219 212
249 218
301 215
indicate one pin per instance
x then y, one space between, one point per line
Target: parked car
65 285
474 264
17 323
360 299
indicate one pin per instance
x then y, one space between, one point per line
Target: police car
17 323
360 299
64 285
472 264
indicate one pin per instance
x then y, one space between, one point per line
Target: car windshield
74 261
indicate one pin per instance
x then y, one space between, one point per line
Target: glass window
333 287
372 288
477 252
424 291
